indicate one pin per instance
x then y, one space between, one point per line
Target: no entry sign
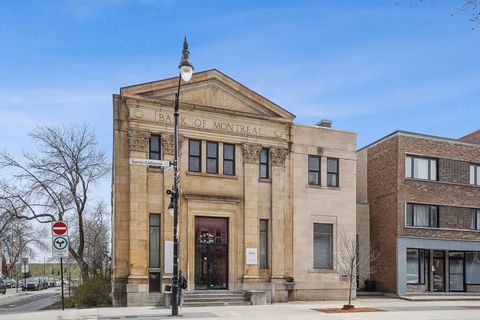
59 228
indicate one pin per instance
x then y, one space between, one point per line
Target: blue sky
370 66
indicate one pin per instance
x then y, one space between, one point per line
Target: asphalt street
30 301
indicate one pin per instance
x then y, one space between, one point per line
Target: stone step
215 303
203 299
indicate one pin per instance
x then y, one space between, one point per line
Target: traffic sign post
59 228
60 244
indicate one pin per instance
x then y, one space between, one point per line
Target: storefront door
456 264
211 253
438 271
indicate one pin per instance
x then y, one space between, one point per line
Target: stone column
279 205
138 223
251 153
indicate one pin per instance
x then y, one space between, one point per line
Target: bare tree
20 240
54 183
349 261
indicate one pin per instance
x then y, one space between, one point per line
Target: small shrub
93 292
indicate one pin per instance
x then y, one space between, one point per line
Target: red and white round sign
59 228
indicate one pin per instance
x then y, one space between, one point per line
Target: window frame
210 158
263 264
330 262
412 167
266 164
319 158
421 272
430 206
476 174
475 219
150 151
198 157
337 174
150 226
229 160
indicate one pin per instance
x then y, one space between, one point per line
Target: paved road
14 302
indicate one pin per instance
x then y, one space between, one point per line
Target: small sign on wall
251 256
168 256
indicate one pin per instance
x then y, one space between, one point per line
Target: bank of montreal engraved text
217 125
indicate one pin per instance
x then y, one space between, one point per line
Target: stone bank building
262 201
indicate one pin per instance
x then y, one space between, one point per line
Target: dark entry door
438 271
211 253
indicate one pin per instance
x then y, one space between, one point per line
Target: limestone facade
217 111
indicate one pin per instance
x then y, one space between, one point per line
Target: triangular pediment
212 89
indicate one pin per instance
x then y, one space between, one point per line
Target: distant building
423 197
263 199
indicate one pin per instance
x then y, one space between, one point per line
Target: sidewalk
392 309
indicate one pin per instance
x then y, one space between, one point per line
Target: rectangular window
154 147
419 215
475 220
472 267
264 166
322 246
314 170
417 266
229 159
212 157
332 172
263 244
475 174
420 168
194 155
154 241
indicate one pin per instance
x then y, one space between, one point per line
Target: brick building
262 198
423 195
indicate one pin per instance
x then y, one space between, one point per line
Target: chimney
324 123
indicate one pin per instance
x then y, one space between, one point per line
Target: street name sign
149 162
60 246
59 228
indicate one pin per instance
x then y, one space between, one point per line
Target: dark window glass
194 155
322 246
332 172
472 267
154 147
420 215
229 159
263 244
212 157
314 170
154 241
264 167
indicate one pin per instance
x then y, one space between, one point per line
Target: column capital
138 140
278 156
251 152
168 143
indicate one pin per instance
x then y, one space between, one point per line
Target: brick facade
389 191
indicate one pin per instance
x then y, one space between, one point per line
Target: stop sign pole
60 228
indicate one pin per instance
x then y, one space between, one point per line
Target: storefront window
412 266
472 267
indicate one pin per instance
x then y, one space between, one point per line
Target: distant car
33 284
51 282
8 283
3 288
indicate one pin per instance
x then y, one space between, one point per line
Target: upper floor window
194 155
229 159
212 157
264 165
332 172
154 147
475 221
420 168
475 174
314 170
420 215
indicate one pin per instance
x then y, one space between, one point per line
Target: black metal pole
61 279
175 195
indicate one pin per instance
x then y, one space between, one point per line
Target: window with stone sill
322 246
420 215
421 168
194 155
314 170
264 164
154 147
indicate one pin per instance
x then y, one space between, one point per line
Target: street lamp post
186 70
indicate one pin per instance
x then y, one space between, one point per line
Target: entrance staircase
214 298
